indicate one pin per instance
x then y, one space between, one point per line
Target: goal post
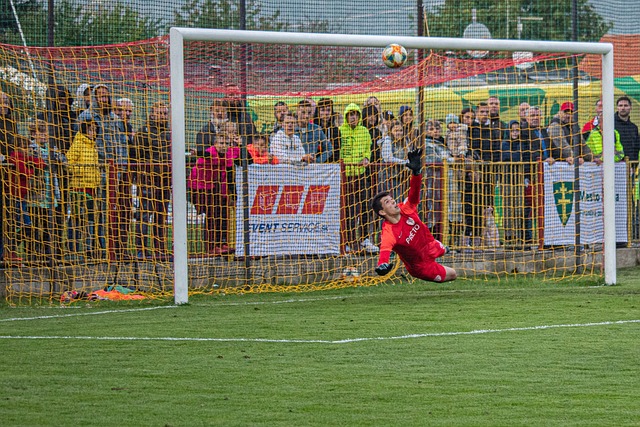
178 36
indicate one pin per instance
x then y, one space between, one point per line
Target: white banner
560 206
292 209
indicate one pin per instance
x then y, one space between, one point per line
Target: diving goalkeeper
404 233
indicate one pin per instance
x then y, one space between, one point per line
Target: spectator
436 153
239 113
82 100
537 145
329 120
208 184
124 110
314 106
259 151
60 119
561 130
485 144
375 102
394 149
514 150
370 121
405 115
467 116
84 183
25 166
594 122
457 142
355 152
286 145
628 130
435 148
7 124
113 148
512 145
7 134
385 118
316 145
523 109
484 136
120 217
279 110
494 118
372 100
370 116
456 138
153 153
45 191
594 142
206 136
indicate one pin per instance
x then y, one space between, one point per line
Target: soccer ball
394 56
350 274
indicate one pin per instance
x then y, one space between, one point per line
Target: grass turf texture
581 375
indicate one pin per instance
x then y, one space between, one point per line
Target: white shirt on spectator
288 149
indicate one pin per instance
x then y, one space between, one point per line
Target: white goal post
176 50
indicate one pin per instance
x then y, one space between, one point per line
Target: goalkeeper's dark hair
376 202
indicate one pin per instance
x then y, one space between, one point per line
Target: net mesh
87 171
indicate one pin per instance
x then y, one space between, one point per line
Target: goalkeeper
405 234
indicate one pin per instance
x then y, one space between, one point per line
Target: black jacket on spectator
485 142
629 137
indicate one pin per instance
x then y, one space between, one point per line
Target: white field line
93 313
343 341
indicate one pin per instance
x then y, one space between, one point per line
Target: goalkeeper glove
383 269
415 161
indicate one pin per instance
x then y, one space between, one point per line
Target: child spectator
46 190
259 151
25 166
208 184
456 137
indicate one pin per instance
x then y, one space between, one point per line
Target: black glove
383 269
415 161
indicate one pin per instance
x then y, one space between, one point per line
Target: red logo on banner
290 198
265 199
316 199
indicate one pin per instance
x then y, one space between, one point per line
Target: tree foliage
86 24
225 14
8 24
451 19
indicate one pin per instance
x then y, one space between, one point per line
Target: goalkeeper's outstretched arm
415 182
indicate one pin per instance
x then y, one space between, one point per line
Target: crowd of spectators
72 178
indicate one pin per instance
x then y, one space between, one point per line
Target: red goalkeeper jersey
410 238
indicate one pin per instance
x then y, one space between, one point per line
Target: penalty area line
318 341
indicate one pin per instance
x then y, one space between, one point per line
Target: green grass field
469 353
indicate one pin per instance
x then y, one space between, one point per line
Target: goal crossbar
176 50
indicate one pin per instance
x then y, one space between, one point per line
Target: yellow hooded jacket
355 143
83 163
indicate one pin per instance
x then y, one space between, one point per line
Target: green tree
501 18
225 14
8 24
87 24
